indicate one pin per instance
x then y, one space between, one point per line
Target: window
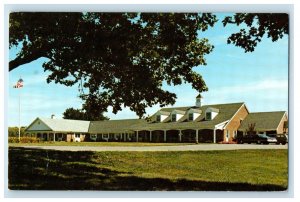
173 117
158 118
208 115
191 116
241 120
77 135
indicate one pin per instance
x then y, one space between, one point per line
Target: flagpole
19 85
19 114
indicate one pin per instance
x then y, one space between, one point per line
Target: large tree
120 59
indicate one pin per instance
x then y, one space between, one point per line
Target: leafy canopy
274 25
122 59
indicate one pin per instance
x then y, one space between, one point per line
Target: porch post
137 135
54 137
196 136
180 134
215 136
165 135
150 135
47 136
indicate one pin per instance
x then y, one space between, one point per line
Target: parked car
264 139
247 139
281 138
256 138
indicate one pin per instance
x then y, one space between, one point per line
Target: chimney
52 116
198 100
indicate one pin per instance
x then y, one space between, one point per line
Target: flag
19 84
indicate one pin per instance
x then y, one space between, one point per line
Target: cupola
198 100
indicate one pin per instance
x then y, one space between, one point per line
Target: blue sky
260 79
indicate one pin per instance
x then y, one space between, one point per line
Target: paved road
199 147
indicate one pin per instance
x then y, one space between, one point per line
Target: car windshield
262 135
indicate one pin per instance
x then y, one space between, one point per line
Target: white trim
220 126
215 136
281 120
227 136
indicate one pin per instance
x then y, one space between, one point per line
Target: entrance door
227 136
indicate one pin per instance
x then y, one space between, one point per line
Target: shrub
13 140
23 140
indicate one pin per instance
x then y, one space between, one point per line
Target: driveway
196 147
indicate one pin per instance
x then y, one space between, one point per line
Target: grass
97 144
238 170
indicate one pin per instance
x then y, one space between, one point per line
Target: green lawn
246 170
97 144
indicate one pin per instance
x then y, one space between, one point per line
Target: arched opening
173 136
188 135
158 136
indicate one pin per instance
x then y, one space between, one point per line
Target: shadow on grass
35 169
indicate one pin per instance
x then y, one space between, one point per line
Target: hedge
23 140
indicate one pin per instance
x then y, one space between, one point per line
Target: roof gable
193 110
161 112
176 111
38 125
263 120
212 109
60 125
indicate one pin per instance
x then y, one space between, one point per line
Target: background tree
251 129
14 131
79 114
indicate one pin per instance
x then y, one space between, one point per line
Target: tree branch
13 64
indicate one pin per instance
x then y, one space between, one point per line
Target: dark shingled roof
164 112
226 112
212 109
175 108
113 126
264 121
